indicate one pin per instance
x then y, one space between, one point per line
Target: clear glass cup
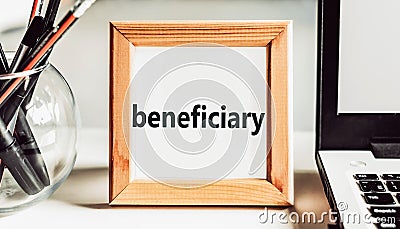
52 116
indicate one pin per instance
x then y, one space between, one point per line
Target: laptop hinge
385 147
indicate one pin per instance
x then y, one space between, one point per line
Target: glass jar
44 131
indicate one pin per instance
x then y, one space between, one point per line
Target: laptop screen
358 75
369 60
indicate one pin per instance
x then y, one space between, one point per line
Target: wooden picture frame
275 36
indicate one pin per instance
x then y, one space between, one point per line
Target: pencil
36 9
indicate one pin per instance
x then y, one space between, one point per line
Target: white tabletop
83 199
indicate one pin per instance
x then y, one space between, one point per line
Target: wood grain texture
279 155
270 118
238 192
273 36
119 82
228 33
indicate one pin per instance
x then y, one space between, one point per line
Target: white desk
82 199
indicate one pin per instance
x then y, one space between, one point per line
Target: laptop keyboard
382 194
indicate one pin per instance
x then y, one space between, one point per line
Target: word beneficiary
215 119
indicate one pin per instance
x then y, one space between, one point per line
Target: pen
3 70
12 155
26 140
24 134
29 40
50 16
22 130
18 165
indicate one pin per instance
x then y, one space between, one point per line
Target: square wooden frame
277 189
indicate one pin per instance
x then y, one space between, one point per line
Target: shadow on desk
309 197
89 188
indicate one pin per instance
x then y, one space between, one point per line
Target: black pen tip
36 160
20 168
34 31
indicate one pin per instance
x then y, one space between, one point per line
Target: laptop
358 114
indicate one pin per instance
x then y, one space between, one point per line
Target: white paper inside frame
168 87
